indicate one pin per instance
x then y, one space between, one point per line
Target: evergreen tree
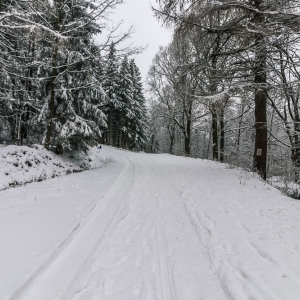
111 86
126 115
13 48
67 54
54 85
138 126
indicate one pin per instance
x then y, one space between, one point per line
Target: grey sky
147 29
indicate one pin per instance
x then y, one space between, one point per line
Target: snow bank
286 186
21 164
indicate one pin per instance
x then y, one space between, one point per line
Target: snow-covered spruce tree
124 102
111 86
13 52
126 113
67 56
138 125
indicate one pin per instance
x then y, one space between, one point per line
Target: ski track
230 271
156 235
52 279
158 269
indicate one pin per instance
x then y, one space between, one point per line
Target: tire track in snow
57 275
214 242
61 246
203 228
167 284
180 277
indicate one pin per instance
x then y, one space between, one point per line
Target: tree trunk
269 160
214 128
222 135
187 134
51 103
172 139
26 110
120 139
261 137
171 144
296 149
187 149
238 139
260 99
171 130
110 126
59 149
151 143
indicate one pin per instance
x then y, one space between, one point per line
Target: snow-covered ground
149 227
287 186
21 164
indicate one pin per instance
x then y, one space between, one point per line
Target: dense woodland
58 87
227 87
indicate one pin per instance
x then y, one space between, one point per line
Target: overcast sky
148 32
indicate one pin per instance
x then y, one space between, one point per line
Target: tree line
227 87
55 86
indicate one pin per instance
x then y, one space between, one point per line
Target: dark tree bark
187 136
187 142
260 79
51 104
110 126
151 144
171 129
222 135
261 137
214 128
59 149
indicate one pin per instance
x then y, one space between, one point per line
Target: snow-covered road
150 227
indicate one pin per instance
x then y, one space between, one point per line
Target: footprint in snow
128 240
138 261
152 233
151 294
137 228
137 289
95 266
109 286
122 260
155 268
147 249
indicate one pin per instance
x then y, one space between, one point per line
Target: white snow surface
21 164
149 227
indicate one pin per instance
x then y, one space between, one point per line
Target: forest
61 89
227 87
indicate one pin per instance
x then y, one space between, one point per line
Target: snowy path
156 227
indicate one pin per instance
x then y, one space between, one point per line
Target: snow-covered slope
22 164
150 227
